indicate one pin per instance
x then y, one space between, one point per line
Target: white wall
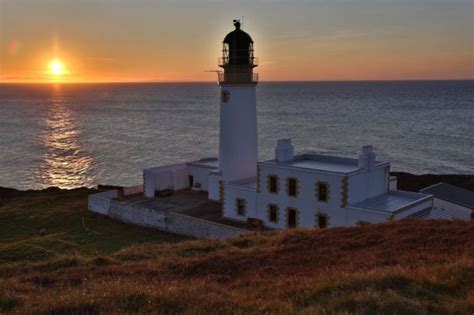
365 185
231 193
458 210
200 175
138 189
171 222
214 186
306 201
393 183
173 177
100 202
238 132
354 216
427 204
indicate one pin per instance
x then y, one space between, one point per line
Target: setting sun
56 67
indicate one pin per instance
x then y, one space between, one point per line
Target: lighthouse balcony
237 77
236 61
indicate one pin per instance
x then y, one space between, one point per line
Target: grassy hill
58 258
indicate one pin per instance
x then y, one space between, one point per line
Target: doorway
291 218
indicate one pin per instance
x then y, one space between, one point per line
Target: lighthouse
291 190
238 107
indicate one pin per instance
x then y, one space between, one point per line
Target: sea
73 135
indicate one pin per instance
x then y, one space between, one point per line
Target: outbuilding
459 202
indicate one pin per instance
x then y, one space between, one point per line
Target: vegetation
58 258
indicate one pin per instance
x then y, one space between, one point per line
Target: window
322 220
225 95
273 184
322 191
240 206
291 217
273 213
292 185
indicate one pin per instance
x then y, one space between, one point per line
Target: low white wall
167 221
100 202
138 189
190 226
355 216
137 215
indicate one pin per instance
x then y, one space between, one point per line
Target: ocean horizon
83 134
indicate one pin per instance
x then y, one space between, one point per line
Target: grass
52 263
43 226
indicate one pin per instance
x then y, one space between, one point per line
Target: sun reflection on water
65 164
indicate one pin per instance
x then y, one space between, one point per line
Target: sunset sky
178 40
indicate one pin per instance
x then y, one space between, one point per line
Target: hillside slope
54 262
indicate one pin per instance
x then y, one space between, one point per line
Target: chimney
367 158
284 151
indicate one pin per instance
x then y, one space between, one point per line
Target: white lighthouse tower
238 107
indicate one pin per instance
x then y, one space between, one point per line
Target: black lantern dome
238 48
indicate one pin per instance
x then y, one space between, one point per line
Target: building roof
211 163
250 182
452 194
391 201
322 163
435 214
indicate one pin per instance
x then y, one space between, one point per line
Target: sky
180 40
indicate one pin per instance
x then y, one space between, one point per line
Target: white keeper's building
307 190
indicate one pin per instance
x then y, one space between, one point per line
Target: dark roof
238 36
434 214
452 194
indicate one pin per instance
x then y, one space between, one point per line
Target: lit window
292 187
240 206
273 183
273 213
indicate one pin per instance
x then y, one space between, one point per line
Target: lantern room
238 58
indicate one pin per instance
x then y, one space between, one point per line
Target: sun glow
57 68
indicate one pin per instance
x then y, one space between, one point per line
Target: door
291 218
191 180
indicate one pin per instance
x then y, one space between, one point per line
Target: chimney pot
284 151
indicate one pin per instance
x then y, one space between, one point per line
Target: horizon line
207 81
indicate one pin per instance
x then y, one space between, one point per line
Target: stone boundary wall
177 223
137 215
100 202
133 190
191 226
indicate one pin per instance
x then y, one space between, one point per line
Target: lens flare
14 47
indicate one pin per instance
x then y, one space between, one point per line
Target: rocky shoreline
411 182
